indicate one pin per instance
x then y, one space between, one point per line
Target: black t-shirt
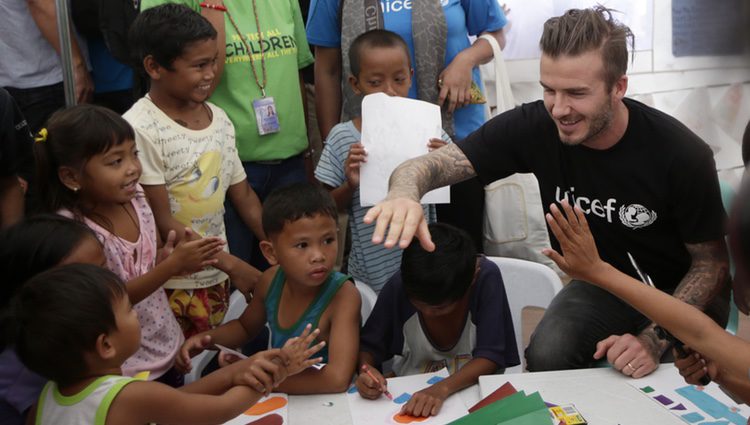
650 194
15 140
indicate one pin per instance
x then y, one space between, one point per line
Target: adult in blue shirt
462 18
445 62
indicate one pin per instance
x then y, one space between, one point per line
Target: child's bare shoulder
347 301
135 401
265 281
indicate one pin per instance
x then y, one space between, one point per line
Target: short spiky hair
58 315
443 275
165 31
296 201
374 38
581 30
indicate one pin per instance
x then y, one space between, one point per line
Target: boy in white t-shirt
189 158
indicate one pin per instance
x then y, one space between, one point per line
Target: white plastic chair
237 304
527 284
368 297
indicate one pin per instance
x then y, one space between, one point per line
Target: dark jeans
38 103
263 178
582 315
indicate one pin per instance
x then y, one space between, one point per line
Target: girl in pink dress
88 169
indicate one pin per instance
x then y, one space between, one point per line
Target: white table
603 396
333 409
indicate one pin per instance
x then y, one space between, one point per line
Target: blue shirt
463 17
109 74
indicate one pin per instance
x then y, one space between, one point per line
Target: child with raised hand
75 326
190 162
299 290
88 169
380 63
722 356
27 248
445 308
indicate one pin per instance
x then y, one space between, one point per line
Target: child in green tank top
300 289
75 325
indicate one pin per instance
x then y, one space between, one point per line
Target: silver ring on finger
632 369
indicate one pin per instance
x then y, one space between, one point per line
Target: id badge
266 116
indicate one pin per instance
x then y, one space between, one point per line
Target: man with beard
646 183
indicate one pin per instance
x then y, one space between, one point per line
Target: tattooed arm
707 276
579 259
708 273
409 182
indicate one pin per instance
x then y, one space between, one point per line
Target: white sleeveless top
88 407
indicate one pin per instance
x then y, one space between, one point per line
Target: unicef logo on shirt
636 216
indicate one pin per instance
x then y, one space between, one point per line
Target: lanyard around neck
261 85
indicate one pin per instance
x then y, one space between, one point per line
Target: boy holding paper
380 63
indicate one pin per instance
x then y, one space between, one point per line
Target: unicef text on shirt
634 216
398 5
395 5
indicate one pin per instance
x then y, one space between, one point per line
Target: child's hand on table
368 387
298 350
426 402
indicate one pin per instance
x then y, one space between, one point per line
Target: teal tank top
278 335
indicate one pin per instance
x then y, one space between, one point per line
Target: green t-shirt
286 51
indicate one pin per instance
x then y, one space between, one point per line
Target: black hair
374 38
443 275
73 136
58 315
293 202
35 244
164 32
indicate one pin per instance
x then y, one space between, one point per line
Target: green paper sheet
516 409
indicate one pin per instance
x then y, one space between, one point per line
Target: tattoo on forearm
442 167
708 274
653 343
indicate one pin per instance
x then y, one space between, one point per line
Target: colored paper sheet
694 404
270 410
710 405
385 411
515 407
504 391
679 406
693 417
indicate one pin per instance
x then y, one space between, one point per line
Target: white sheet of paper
395 129
230 351
382 410
275 404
